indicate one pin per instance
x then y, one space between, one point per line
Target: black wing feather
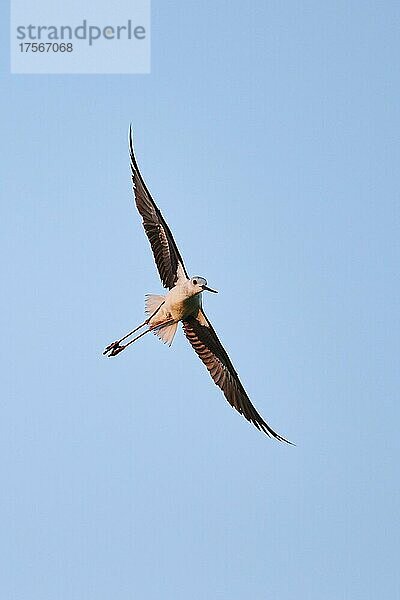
166 254
207 346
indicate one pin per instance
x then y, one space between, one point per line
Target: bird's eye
194 281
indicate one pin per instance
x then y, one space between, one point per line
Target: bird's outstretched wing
166 254
207 346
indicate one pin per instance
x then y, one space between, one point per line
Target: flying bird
183 303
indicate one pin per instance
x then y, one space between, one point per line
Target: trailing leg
115 345
116 348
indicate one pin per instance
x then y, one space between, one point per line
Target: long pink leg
116 344
114 350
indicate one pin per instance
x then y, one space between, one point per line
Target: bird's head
199 284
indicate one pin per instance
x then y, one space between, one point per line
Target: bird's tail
166 334
152 303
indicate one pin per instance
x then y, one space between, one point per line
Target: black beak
209 289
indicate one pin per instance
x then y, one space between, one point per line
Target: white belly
179 305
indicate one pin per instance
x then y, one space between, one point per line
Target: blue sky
269 137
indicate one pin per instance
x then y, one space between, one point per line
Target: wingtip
274 435
134 166
280 438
